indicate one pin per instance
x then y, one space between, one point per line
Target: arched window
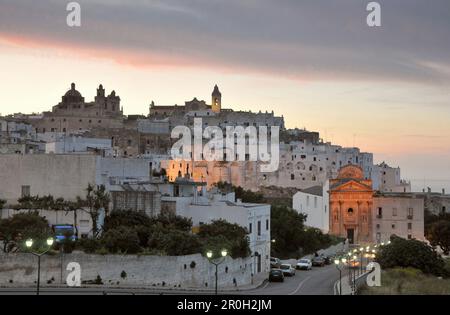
350 211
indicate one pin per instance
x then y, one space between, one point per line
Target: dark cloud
291 38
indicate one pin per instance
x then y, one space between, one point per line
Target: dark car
276 275
318 262
328 260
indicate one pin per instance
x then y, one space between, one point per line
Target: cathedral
74 114
351 203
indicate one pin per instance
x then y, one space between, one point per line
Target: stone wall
191 271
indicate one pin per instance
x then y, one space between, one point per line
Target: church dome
73 95
72 92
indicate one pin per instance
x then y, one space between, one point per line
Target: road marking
299 285
265 286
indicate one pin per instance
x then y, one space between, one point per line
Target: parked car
275 263
318 262
288 270
276 275
328 260
304 264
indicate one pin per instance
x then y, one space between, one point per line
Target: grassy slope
408 281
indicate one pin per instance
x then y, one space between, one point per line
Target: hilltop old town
108 182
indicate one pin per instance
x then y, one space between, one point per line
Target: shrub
89 245
221 234
411 253
122 239
175 243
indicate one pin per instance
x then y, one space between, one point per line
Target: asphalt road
318 281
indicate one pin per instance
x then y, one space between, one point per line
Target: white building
191 200
314 202
67 175
78 144
387 179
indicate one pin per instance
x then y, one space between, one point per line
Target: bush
175 243
411 253
438 233
221 234
123 239
89 245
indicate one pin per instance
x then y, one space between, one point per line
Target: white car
287 270
305 264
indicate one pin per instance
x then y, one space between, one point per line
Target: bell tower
216 103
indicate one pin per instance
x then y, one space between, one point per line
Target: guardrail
351 285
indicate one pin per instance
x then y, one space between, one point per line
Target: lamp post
361 252
29 244
216 263
337 263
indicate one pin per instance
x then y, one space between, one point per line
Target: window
409 236
379 212
315 202
307 201
249 228
267 224
26 191
350 211
292 177
409 226
394 212
393 226
259 228
410 213
378 226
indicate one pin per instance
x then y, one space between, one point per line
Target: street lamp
216 263
29 244
337 262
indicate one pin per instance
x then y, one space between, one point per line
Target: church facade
351 204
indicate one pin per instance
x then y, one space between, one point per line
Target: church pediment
351 185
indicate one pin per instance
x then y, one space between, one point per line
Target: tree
176 242
2 203
241 193
14 231
220 234
438 233
123 239
170 221
96 200
411 253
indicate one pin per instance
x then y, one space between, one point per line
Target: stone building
400 214
351 203
73 114
363 215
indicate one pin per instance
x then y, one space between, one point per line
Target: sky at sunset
384 89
